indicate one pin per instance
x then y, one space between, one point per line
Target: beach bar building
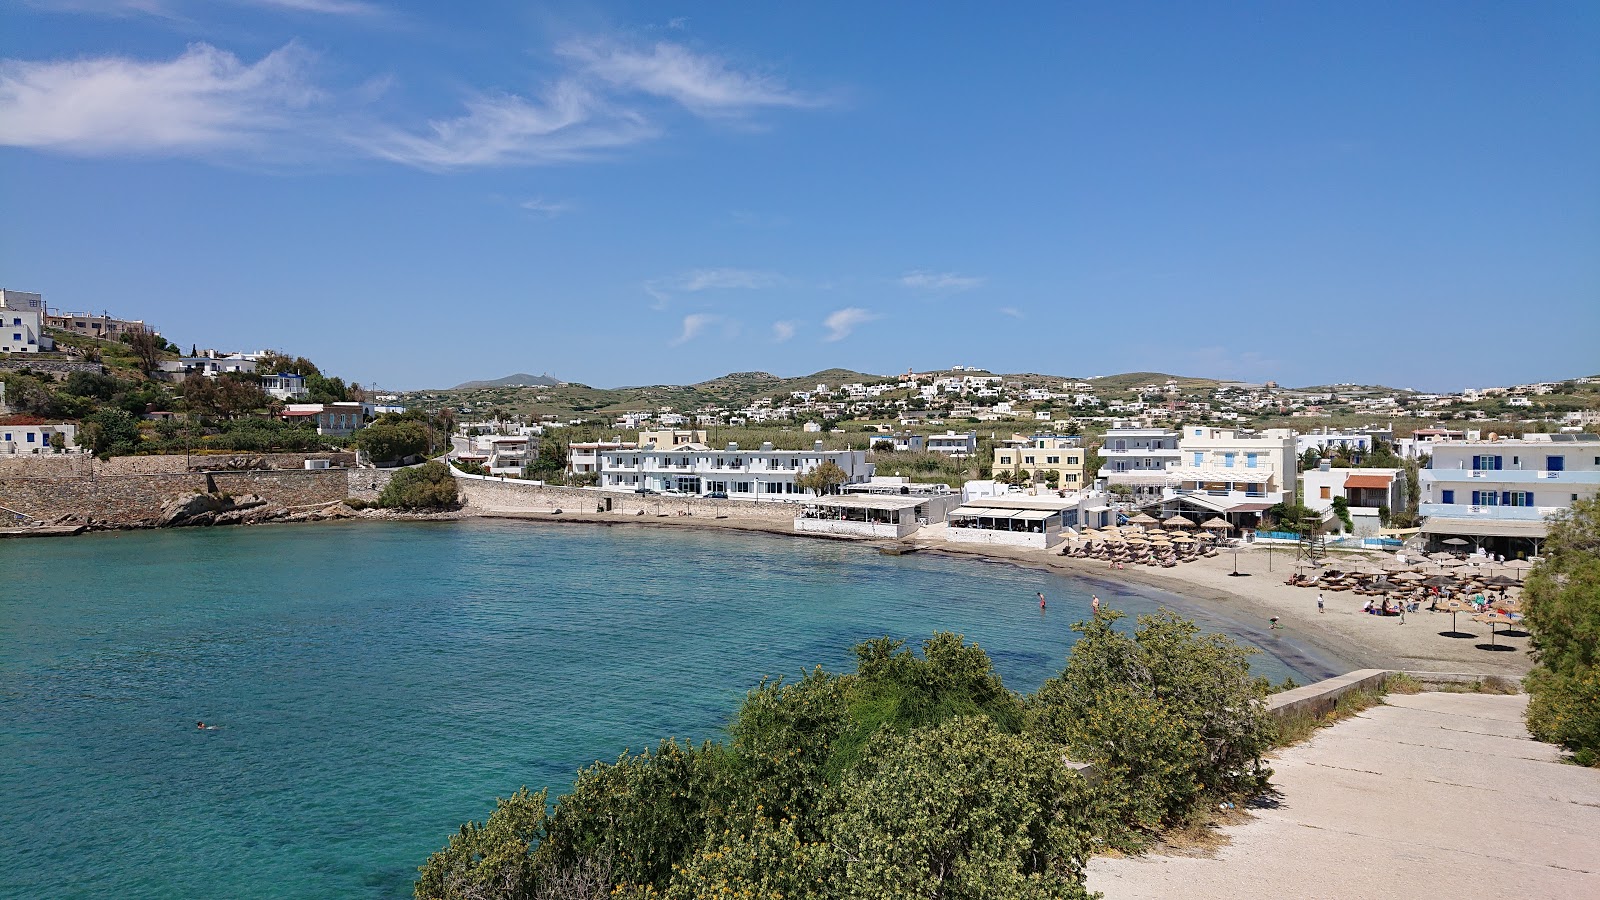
865 515
1013 521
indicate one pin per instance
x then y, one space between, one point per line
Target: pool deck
1431 795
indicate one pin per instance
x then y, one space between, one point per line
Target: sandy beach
1340 639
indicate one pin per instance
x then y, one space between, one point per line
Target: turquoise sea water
375 685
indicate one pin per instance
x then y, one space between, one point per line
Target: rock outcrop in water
218 509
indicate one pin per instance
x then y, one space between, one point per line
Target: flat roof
868 501
979 511
1487 527
1045 503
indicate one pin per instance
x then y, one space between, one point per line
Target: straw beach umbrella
1453 607
1519 566
1217 522
1178 521
1493 619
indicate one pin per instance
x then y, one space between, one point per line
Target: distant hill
521 379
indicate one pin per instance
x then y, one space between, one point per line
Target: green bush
389 440
429 486
1562 602
1172 716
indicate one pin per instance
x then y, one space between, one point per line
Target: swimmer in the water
1041 599
200 725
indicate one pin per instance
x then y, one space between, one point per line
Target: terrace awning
1380 482
1487 528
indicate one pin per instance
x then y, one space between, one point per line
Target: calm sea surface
375 685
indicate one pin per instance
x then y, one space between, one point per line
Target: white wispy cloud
782 331
697 280
547 208
568 123
704 84
207 100
946 282
324 7
202 101
1011 311
842 322
694 324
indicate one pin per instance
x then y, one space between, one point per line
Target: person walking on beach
1319 603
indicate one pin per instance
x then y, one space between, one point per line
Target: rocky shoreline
199 510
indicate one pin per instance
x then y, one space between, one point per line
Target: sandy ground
1431 795
1339 640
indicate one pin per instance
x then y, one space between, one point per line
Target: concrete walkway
1433 795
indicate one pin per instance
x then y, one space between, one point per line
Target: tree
1311 459
550 464
110 432
1562 603
391 439
1051 477
1341 508
822 479
429 486
492 859
147 347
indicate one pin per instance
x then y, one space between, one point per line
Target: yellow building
1043 453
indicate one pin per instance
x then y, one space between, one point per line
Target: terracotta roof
1368 481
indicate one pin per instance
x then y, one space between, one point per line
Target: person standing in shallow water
1094 604
1041 599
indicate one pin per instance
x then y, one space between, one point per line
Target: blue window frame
1199 458
1485 463
1485 498
1227 460
1516 498
1249 460
16 337
30 437
1448 497
1555 463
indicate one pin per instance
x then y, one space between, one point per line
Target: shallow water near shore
376 684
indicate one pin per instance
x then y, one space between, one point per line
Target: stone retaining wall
60 368
482 494
137 499
55 465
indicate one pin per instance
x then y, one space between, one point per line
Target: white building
22 323
285 386
583 458
507 454
35 438
1368 491
1141 458
1499 492
1326 441
764 474
1016 520
953 444
209 366
865 515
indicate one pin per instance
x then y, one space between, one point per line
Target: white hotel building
1234 474
764 474
1498 494
1140 458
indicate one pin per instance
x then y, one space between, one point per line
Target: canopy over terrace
1505 534
864 515
1040 517
887 510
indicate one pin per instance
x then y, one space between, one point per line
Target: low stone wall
59 368
137 499
852 529
55 465
482 494
1003 538
1320 698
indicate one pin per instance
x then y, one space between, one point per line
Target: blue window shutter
1507 500
1497 463
1449 497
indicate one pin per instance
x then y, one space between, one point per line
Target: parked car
716 495
645 491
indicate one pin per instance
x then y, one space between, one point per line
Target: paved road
1433 795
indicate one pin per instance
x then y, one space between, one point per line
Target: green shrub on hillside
1172 716
429 486
1562 602
914 776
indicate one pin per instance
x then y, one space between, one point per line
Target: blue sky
416 194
